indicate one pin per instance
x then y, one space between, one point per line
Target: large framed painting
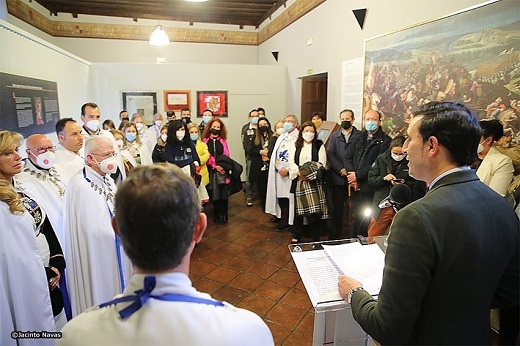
471 56
213 100
143 103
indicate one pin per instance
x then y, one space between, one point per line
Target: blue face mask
288 126
206 118
371 126
194 136
130 136
254 120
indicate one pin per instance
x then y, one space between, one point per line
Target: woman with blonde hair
140 152
203 152
24 287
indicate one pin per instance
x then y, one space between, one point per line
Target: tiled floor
248 264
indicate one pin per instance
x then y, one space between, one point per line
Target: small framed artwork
143 103
175 100
214 100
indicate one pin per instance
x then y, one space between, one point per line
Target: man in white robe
25 304
279 186
91 117
69 154
160 248
154 132
97 267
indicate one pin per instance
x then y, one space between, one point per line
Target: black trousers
284 206
338 195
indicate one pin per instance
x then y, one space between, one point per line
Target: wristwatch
349 296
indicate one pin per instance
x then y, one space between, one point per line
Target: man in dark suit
451 255
336 156
360 156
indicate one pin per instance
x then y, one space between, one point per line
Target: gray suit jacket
451 256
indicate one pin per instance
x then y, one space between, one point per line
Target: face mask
263 128
206 118
130 136
194 136
139 126
280 131
317 123
346 124
119 143
254 120
308 136
397 157
125 119
288 126
215 132
371 126
46 160
108 166
93 125
158 123
164 137
186 120
480 148
180 134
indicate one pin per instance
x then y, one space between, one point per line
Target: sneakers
249 202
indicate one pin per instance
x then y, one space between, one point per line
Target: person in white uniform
24 295
160 306
69 159
97 267
280 199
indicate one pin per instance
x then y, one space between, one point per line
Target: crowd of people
89 202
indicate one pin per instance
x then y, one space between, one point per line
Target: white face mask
108 166
308 136
180 134
46 160
480 148
398 157
280 131
119 143
158 123
164 136
93 125
139 126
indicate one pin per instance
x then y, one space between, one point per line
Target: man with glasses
97 267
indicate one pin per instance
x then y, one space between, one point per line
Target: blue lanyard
141 297
117 243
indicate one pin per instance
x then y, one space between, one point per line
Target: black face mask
125 119
263 128
186 120
215 132
346 124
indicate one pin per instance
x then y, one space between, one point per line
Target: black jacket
336 155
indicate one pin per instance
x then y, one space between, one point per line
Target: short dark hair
124 110
317 114
454 125
88 104
260 109
168 197
252 110
170 114
60 125
186 110
347 110
492 128
397 142
208 110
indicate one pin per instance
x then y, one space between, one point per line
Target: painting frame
216 100
451 58
176 100
142 102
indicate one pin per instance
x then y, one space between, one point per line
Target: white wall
26 55
248 86
337 37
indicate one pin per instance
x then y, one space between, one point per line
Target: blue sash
142 295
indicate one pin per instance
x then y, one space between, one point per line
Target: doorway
314 96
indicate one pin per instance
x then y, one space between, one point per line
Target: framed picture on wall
175 100
214 100
143 103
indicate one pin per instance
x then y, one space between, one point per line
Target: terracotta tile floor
248 264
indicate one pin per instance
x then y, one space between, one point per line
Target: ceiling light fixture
159 37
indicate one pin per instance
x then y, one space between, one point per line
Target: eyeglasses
42 150
107 155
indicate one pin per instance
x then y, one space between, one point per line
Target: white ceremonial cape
279 186
46 194
67 163
93 274
144 153
150 137
25 304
